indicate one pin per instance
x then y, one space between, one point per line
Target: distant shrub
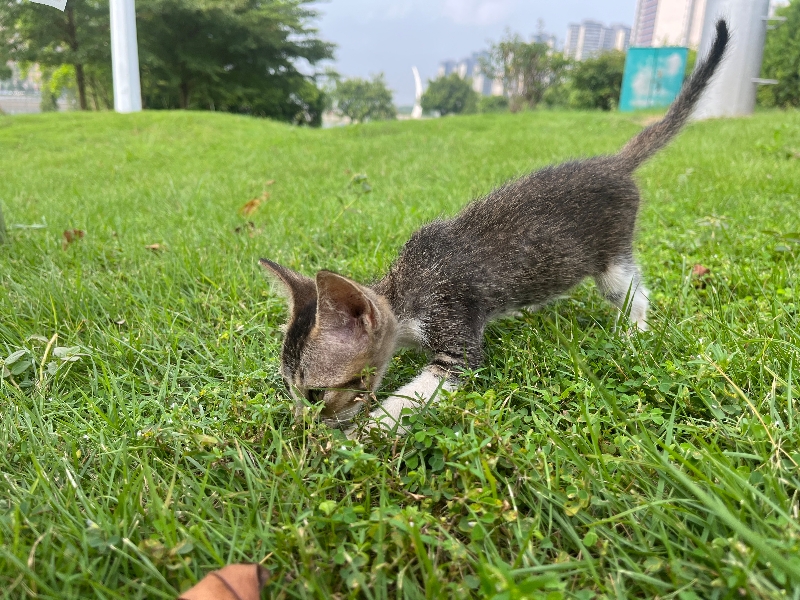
364 100
492 104
597 82
450 95
556 96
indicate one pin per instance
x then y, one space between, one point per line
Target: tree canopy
364 99
450 95
597 82
782 60
526 68
78 36
235 55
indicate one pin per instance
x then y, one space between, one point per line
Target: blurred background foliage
243 56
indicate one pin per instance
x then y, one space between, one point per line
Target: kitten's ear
343 304
300 290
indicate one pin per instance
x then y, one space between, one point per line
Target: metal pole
125 57
732 92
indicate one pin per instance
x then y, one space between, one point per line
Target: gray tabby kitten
524 244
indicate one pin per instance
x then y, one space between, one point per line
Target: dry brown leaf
416 497
71 235
155 247
252 206
234 582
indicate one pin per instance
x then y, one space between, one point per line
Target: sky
391 36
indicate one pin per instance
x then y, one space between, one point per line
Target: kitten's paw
629 327
362 431
352 433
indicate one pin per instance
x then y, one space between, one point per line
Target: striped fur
523 245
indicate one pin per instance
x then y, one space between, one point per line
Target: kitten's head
339 340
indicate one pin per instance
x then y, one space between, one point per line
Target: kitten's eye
315 395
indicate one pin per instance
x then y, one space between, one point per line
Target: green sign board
653 77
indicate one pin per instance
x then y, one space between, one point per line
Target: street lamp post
125 57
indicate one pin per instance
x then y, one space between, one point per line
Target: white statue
416 112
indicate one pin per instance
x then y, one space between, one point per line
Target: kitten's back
535 238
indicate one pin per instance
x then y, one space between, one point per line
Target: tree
233 55
782 60
364 99
527 69
34 33
450 95
596 82
236 55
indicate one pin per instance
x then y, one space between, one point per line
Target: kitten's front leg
425 387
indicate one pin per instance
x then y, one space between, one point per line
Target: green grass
152 441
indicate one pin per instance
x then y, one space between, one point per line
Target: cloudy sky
390 36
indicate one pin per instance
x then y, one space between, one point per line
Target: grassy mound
146 438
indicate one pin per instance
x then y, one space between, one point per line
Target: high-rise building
616 37
673 22
668 22
571 43
470 68
590 38
446 67
644 22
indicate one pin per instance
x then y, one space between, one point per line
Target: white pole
125 57
732 92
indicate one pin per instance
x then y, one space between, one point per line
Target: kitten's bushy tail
656 136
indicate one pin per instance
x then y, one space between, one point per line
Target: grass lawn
146 437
